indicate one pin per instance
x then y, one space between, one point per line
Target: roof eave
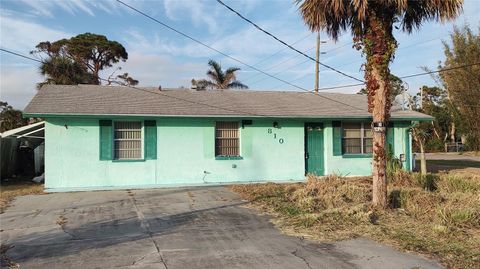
91 115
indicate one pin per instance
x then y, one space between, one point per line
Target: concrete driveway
205 227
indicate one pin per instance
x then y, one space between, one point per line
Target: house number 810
275 136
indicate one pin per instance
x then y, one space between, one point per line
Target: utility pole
317 73
317 63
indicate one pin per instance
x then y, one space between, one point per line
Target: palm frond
415 12
335 16
206 84
230 75
215 73
236 85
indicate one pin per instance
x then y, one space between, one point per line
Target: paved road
451 157
170 228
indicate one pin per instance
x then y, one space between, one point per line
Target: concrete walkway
170 228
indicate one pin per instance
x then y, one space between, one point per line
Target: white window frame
142 153
362 138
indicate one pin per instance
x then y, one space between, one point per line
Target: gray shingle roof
118 100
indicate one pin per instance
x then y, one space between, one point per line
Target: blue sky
158 56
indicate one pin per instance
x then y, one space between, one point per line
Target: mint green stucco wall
341 165
185 149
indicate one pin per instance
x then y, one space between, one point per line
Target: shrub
434 145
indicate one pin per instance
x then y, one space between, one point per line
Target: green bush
434 145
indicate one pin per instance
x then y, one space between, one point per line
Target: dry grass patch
11 190
436 215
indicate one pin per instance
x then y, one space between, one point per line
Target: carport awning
35 131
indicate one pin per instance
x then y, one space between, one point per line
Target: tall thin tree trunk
421 144
435 130
379 154
452 132
423 160
379 48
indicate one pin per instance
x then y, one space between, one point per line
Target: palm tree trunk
379 154
379 47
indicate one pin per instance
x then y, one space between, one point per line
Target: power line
226 55
275 65
279 72
207 46
400 48
178 98
321 89
280 50
283 70
288 59
21 55
284 43
440 70
406 76
137 88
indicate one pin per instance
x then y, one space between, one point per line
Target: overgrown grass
8 191
436 215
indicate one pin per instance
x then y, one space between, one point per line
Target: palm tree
64 71
371 23
220 79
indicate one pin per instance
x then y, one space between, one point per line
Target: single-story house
104 137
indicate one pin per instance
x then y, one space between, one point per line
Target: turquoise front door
314 149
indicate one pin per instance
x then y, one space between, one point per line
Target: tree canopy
10 118
463 84
220 79
335 16
79 59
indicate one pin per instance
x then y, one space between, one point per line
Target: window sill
368 155
228 158
128 161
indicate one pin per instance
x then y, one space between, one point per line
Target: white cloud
20 76
18 84
198 12
45 8
245 43
22 35
154 70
